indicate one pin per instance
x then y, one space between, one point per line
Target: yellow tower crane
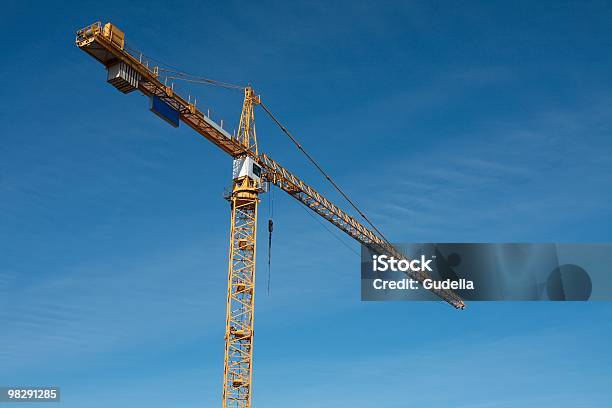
128 70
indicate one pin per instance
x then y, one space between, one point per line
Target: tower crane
253 170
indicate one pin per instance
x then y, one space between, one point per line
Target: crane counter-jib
102 45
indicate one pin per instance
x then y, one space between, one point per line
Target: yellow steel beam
239 328
238 362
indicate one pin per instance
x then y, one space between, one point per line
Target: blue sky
481 122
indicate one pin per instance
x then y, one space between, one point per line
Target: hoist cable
270 228
314 162
178 73
199 80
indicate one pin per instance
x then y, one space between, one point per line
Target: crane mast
127 71
244 200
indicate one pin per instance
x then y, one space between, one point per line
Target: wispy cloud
533 171
91 308
443 373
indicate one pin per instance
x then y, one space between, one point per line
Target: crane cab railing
114 35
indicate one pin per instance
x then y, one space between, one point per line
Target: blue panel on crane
165 111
